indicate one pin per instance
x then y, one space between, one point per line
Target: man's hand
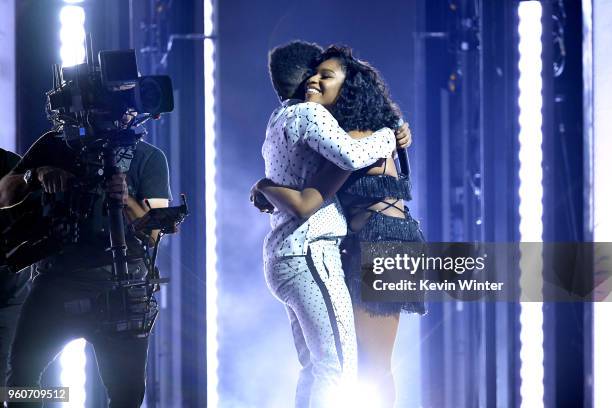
137 213
140 224
117 188
53 179
403 136
259 200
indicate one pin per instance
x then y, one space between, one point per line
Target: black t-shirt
12 286
147 177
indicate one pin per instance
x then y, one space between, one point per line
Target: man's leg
302 394
122 365
42 331
313 288
13 290
326 271
8 323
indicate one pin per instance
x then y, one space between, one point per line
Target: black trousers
9 313
56 312
13 291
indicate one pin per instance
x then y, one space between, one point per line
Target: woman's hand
258 199
403 136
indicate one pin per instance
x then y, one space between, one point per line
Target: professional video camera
93 101
99 110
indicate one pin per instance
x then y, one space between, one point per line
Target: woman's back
374 190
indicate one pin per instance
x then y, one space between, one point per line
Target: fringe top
381 227
377 187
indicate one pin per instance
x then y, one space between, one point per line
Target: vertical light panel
72 35
73 361
73 358
530 199
210 155
601 13
7 75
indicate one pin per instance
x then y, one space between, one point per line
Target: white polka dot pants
319 307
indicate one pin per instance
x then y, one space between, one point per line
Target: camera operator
13 287
62 302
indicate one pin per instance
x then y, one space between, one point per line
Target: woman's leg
375 340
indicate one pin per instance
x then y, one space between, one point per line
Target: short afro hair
290 65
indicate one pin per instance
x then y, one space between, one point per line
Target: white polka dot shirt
299 137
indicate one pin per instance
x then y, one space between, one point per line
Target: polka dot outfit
302 257
299 137
319 307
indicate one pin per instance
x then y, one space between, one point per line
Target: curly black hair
363 102
290 65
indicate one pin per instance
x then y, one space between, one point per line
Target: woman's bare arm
323 185
302 204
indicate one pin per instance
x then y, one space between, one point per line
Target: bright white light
73 361
72 35
8 76
354 394
72 52
210 156
602 335
208 17
597 15
532 355
72 56
530 196
72 16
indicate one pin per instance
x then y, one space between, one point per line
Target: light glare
73 361
354 394
72 35
208 18
72 15
597 39
211 223
531 193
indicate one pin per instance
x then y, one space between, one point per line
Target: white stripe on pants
319 306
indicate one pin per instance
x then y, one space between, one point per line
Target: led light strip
210 155
73 358
602 356
72 35
8 111
530 197
602 191
73 361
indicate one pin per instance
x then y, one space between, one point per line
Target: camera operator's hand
53 179
117 188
